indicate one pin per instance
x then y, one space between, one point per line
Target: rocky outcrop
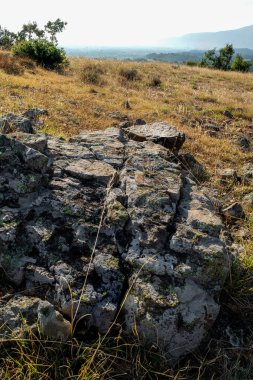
109 225
21 123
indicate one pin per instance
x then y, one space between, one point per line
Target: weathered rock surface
160 133
21 123
158 237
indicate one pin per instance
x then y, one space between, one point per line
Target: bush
43 52
10 65
192 63
91 73
129 74
240 64
155 82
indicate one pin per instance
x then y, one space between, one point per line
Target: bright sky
128 22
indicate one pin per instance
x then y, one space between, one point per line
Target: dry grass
15 66
186 97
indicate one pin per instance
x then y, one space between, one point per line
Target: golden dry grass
187 97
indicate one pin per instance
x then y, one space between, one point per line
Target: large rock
23 123
103 218
160 133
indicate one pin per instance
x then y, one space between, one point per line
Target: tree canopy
31 31
223 60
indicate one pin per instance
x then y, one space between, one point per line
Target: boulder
159 133
35 141
119 213
52 324
23 123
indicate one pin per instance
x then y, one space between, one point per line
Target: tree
7 38
209 58
30 32
224 58
240 64
53 28
221 61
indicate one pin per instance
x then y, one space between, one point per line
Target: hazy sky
128 22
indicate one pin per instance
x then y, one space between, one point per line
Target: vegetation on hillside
223 60
37 44
190 98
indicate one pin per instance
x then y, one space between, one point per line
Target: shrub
240 64
91 73
129 74
43 52
10 65
155 82
192 63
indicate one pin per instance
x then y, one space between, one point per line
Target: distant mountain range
240 38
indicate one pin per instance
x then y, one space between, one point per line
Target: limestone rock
158 237
160 133
23 123
52 324
86 170
37 142
18 315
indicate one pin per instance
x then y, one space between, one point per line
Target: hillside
240 38
130 207
187 97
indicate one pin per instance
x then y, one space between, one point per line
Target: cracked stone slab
107 145
59 149
159 133
96 171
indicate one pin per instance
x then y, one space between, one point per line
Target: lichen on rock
158 236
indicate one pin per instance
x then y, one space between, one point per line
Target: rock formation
108 225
